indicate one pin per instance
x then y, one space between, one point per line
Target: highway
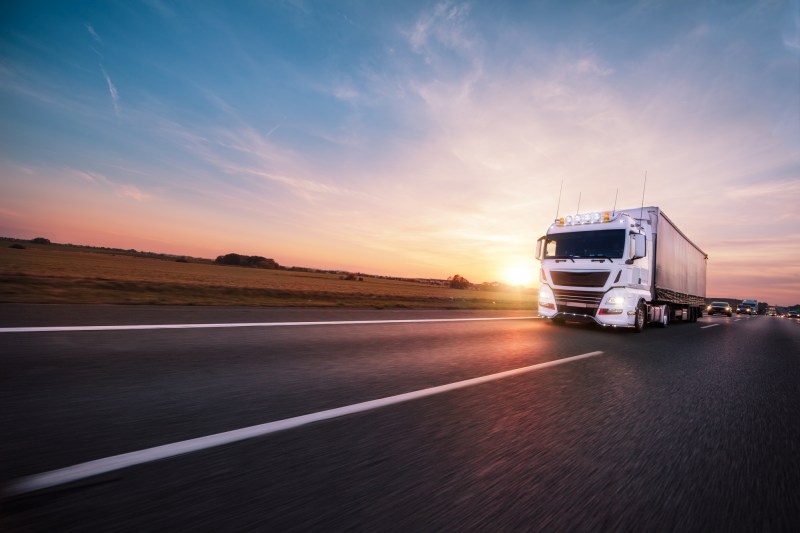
695 427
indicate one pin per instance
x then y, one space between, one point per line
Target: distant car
793 313
749 307
722 308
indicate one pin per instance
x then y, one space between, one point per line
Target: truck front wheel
638 322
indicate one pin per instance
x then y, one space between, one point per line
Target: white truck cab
620 269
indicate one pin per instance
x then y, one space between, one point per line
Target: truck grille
580 278
578 302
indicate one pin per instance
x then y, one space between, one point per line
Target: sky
413 139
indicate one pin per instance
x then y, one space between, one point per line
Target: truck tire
639 318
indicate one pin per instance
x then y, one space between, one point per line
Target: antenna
641 211
579 203
615 201
558 207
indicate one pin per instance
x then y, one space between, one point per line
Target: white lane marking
117 462
737 320
247 324
711 326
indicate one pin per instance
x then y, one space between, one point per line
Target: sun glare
519 275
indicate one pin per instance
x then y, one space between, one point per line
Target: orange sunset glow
417 139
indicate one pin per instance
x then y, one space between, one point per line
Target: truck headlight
546 294
616 300
547 299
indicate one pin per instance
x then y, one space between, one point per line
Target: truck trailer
623 268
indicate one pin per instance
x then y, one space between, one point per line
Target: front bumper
585 306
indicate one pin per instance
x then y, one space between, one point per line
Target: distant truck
624 268
772 311
747 307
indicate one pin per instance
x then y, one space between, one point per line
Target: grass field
52 273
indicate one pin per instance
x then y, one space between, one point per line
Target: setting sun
519 275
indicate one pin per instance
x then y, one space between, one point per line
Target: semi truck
623 268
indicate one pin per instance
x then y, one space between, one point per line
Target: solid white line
246 324
117 462
711 326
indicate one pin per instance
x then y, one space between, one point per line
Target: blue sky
404 138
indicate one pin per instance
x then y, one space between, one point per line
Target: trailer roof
664 215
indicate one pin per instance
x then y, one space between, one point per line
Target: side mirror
539 248
638 246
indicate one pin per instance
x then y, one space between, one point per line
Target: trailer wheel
638 322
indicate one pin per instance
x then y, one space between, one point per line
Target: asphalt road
688 428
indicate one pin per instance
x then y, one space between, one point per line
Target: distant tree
255 261
262 262
17 246
458 282
229 259
492 286
40 240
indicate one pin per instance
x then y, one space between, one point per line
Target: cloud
293 183
93 177
591 65
21 80
93 33
124 190
9 213
777 190
791 34
246 152
161 8
112 89
346 93
133 192
444 24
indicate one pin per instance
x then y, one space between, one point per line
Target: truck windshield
597 243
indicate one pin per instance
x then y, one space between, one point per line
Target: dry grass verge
61 274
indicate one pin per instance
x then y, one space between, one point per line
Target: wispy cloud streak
112 90
93 33
125 190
